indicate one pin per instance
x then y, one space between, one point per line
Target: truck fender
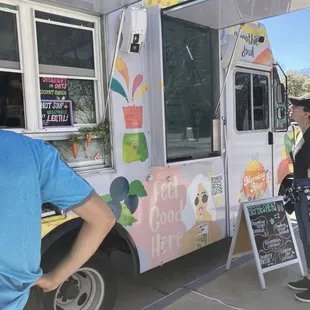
60 231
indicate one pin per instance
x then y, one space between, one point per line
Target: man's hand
47 283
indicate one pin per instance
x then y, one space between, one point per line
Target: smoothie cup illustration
134 147
133 116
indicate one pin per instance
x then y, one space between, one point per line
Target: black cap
303 101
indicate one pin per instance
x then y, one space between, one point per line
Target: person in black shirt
300 112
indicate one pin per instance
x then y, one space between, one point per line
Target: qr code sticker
217 185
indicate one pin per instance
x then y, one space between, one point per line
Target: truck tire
92 287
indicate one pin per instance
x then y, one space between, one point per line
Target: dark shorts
35 300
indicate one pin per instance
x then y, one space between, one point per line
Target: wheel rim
84 290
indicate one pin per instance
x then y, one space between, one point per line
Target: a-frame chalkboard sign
264 228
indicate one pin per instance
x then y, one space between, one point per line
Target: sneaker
303 296
301 285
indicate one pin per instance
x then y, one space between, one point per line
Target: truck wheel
93 287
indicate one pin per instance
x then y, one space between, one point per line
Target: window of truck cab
188 90
51 78
252 101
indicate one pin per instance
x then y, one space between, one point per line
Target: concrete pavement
238 289
200 281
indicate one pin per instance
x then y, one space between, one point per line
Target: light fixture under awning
218 14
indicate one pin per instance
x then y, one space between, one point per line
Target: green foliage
107 198
100 131
298 82
126 218
137 188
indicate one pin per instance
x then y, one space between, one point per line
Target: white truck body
198 124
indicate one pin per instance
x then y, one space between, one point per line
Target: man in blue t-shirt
32 173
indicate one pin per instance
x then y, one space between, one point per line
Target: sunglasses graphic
203 198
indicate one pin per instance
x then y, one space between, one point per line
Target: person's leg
303 221
35 300
306 247
302 217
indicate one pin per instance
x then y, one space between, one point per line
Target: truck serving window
66 49
251 101
63 87
188 90
11 84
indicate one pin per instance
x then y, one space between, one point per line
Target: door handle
270 138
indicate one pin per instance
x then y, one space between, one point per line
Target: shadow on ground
138 292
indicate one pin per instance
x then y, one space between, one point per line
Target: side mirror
280 93
281 113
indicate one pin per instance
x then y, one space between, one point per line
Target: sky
289 36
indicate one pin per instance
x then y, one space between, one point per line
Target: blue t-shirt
31 173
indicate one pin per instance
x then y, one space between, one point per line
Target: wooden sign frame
243 241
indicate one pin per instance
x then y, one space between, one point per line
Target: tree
306 86
304 72
298 82
295 83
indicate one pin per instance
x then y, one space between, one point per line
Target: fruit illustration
119 189
132 202
124 199
254 179
285 167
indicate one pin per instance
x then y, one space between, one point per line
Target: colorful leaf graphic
137 188
136 83
118 88
141 91
106 198
122 68
126 218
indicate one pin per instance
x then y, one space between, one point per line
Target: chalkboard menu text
272 233
264 228
56 112
55 104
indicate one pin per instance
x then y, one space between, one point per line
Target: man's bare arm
99 220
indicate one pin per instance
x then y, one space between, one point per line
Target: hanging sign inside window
56 112
55 106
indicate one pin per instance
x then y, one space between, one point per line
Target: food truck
174 111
